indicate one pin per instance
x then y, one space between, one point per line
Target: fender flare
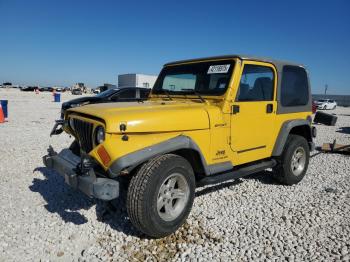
138 157
284 132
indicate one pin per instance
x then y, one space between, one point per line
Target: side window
294 86
257 84
125 94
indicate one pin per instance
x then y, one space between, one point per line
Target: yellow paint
219 134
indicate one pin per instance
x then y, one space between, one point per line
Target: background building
137 80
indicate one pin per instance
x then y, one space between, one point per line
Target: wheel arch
194 158
299 127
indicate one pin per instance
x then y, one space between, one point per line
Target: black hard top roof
277 63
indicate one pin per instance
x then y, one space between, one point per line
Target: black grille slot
84 131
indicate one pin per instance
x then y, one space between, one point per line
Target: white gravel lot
248 219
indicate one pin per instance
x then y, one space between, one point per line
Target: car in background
7 85
29 88
326 104
46 89
125 94
58 89
77 91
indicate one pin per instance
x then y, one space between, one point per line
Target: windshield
322 100
107 93
205 78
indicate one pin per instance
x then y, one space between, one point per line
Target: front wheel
160 195
294 161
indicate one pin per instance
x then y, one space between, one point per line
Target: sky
62 42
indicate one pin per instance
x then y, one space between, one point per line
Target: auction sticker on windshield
218 69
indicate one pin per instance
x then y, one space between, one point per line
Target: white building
136 80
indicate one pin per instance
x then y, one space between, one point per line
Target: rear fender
286 129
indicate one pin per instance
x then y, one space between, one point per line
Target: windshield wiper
194 92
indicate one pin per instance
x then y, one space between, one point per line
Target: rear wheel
294 161
160 195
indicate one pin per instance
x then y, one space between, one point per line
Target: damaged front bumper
58 127
81 176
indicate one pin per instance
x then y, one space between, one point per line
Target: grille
84 132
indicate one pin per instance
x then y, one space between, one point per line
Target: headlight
71 123
99 135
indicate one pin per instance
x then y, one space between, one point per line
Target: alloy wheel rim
172 197
298 161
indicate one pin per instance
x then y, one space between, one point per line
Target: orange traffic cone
2 118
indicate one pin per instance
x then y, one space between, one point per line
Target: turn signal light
101 151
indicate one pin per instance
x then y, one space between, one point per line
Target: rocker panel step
238 173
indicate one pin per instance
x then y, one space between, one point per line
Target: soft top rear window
294 86
205 78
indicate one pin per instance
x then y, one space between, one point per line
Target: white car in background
326 104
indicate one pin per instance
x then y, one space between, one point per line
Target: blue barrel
4 107
57 97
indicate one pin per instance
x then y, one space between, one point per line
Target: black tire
325 118
283 172
144 191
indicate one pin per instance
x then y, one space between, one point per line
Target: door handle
235 109
269 108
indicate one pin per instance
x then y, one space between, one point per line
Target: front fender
134 159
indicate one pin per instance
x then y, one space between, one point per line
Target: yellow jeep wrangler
206 121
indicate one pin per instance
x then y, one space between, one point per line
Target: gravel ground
248 219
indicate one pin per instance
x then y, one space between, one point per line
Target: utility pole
325 89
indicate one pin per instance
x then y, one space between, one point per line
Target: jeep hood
148 116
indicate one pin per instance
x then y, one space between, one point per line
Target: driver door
253 112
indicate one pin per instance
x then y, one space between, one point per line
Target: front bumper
58 127
68 165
